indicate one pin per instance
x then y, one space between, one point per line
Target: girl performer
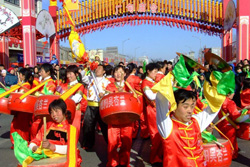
161 71
119 136
22 121
135 82
149 96
47 74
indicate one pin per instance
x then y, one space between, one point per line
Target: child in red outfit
57 133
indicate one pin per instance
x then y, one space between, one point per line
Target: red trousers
230 132
21 124
119 137
143 121
156 153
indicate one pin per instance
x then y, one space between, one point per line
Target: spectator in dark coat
11 78
2 81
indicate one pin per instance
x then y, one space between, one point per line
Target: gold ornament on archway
72 5
53 2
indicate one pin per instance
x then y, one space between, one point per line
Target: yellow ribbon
12 89
67 94
34 89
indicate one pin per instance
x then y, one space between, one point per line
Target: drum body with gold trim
4 106
216 156
25 105
120 108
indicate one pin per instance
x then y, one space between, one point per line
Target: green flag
181 73
46 91
22 152
144 66
2 90
207 137
226 82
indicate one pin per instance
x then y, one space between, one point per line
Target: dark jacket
10 79
2 80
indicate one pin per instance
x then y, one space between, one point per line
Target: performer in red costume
245 94
22 121
181 130
135 82
156 140
57 131
161 71
119 136
109 73
228 126
47 74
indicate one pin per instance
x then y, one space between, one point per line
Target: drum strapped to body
48 162
4 106
43 102
120 108
216 156
25 105
244 131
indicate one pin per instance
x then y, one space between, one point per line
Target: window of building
16 2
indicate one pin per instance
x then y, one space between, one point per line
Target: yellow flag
166 89
76 45
72 5
214 99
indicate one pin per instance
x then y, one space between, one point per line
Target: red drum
48 162
25 105
42 105
4 106
216 156
244 131
120 108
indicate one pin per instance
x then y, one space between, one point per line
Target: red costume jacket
245 98
227 129
56 133
135 82
177 153
159 76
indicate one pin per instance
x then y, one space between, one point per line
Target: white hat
4 71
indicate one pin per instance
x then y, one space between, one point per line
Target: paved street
97 157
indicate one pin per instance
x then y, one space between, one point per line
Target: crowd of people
105 79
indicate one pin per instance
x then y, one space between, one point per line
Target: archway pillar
54 41
29 32
227 39
243 31
4 51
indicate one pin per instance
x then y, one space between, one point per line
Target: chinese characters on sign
40 104
214 155
142 8
114 101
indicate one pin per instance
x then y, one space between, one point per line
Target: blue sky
154 41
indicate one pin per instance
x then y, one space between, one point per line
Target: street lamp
200 52
135 51
123 45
